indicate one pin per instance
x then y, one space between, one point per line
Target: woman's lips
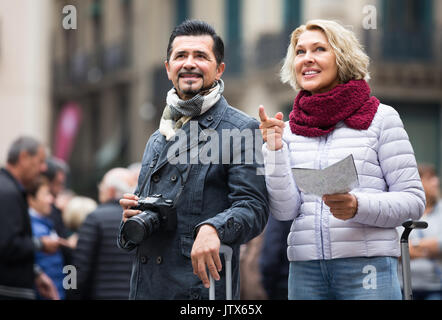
310 74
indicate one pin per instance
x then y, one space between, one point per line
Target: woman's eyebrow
313 44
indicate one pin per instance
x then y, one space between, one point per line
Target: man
26 161
56 173
426 245
103 270
215 202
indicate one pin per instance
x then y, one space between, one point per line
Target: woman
340 246
40 199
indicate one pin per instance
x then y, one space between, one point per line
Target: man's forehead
192 43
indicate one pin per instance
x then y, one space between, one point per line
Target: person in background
103 269
40 201
334 238
426 244
250 275
56 173
135 169
74 213
18 273
273 262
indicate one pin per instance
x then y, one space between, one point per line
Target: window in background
407 29
234 52
182 10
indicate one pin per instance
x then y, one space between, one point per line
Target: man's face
57 185
431 186
192 66
32 166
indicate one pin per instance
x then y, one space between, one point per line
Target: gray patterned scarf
177 112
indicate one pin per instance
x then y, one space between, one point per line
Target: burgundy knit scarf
317 115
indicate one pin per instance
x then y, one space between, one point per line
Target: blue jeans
373 278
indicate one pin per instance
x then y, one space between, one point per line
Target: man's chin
190 92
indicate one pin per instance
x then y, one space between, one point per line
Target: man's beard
190 91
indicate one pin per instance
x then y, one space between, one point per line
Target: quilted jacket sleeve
284 196
405 198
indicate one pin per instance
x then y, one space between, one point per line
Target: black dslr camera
158 214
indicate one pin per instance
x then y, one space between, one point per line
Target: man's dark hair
198 28
25 143
55 165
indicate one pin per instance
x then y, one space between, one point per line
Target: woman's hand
342 206
272 129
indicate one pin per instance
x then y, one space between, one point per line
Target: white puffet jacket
390 190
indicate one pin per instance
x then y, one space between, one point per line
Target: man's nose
189 63
43 167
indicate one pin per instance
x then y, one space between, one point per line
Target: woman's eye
320 49
299 51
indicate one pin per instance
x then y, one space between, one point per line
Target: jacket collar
208 120
17 183
212 117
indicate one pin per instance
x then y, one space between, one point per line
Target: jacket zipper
323 143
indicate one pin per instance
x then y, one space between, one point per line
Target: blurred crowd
45 227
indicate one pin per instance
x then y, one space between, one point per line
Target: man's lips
190 75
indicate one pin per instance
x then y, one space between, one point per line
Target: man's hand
426 248
342 206
272 129
129 201
205 252
46 287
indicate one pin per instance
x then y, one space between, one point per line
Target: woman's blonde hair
351 59
76 210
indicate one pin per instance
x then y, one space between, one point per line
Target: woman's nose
308 57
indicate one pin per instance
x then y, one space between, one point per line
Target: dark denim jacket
228 194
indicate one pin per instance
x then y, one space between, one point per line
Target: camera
157 214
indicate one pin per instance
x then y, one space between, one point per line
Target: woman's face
42 200
315 63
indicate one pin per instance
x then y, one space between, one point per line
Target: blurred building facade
25 78
112 66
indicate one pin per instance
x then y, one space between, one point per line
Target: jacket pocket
195 188
186 245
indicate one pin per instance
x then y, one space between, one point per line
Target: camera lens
141 226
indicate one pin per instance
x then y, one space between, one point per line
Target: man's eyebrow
187 51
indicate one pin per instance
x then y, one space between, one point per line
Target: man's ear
23 157
166 64
220 70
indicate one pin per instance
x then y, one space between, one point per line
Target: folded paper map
340 177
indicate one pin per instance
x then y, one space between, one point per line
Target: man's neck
15 172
